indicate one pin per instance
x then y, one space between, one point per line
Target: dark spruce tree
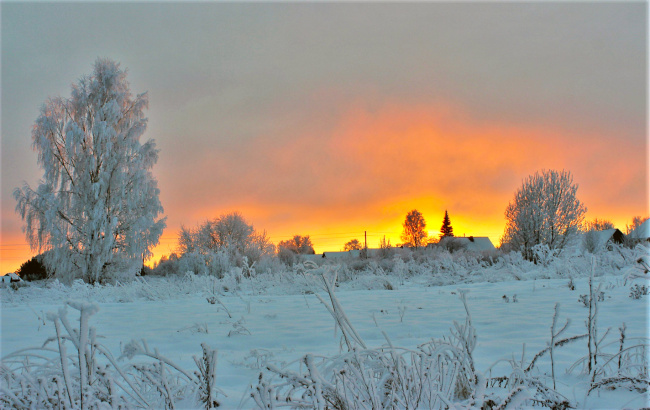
446 229
33 269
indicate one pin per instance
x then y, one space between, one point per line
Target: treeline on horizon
96 213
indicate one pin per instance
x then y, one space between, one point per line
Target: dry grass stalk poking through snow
438 374
88 376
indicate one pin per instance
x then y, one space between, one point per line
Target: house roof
473 243
10 276
338 255
605 235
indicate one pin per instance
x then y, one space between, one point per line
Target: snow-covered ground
253 324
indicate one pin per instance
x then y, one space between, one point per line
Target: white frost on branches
96 208
545 210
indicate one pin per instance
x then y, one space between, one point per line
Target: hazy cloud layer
317 118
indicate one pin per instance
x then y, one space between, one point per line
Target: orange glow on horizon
374 165
16 251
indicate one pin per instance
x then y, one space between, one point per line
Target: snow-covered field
256 322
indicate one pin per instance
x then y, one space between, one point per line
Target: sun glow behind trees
366 172
319 119
476 189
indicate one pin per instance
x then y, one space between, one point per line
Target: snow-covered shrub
217 245
372 282
287 256
590 242
209 263
232 279
192 262
229 233
512 259
399 269
636 291
542 254
17 285
386 251
359 265
451 244
488 258
269 265
121 270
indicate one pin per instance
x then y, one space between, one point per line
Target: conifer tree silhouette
446 229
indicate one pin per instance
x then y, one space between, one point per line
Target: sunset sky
329 120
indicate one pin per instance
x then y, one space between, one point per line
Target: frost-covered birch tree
414 233
97 206
545 210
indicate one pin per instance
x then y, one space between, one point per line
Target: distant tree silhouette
414 233
636 222
298 244
230 233
446 229
353 245
598 225
33 269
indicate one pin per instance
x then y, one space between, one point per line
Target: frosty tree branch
96 209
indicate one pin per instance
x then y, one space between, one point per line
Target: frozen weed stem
89 377
435 375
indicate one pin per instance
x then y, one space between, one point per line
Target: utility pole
365 244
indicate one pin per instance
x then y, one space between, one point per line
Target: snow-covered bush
543 254
590 242
513 259
228 235
636 291
400 269
269 265
215 263
451 244
287 256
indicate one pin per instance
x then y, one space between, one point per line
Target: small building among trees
10 278
596 240
469 243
